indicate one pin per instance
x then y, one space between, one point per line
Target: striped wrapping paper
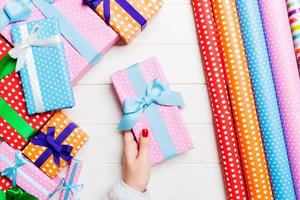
265 98
285 74
223 121
242 101
294 16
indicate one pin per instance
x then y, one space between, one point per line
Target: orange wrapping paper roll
242 100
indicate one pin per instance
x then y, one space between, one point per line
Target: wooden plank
106 144
98 104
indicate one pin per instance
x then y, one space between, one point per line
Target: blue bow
57 149
14 11
11 172
156 93
74 189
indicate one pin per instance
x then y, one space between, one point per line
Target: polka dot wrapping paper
265 98
222 114
29 177
66 133
5 183
294 17
125 21
44 74
168 134
242 100
285 74
87 23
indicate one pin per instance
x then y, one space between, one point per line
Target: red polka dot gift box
16 126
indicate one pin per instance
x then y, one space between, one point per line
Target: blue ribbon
14 11
69 31
11 172
68 188
124 4
156 93
54 146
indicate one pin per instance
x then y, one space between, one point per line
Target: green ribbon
7 66
14 119
2 195
16 193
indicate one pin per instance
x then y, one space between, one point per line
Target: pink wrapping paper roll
87 22
285 74
29 177
72 179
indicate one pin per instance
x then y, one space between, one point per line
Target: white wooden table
195 175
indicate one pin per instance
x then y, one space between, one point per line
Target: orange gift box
55 145
127 18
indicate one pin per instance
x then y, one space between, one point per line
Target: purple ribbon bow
54 146
124 4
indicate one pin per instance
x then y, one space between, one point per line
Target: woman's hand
136 165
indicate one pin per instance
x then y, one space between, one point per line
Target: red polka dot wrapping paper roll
285 74
242 100
222 114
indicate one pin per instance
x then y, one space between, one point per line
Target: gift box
16 125
149 103
42 65
55 145
17 193
127 18
70 185
5 183
86 38
25 174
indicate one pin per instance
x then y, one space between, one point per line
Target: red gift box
5 183
12 94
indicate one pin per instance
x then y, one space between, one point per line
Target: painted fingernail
145 133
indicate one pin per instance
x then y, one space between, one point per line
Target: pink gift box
87 23
166 124
29 177
72 179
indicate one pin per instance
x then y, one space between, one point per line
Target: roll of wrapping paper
285 74
265 99
222 114
242 100
294 16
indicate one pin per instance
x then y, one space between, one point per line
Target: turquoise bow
156 93
15 11
68 187
11 172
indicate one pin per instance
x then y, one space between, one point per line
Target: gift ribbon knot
124 4
11 172
56 148
156 93
20 50
65 186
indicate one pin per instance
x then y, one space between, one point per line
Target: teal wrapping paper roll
265 99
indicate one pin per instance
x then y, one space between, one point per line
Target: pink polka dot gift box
127 18
27 176
86 38
16 125
149 103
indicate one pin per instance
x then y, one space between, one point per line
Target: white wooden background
193 176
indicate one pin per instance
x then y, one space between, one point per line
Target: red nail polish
145 132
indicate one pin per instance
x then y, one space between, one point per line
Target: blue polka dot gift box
42 64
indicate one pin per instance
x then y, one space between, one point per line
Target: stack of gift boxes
54 44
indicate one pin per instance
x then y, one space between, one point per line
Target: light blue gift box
44 74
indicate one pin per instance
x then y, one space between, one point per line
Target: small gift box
70 186
55 145
86 38
42 65
17 193
5 183
24 174
127 18
16 125
149 103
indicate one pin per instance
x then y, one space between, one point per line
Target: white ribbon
20 50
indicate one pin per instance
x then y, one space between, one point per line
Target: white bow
20 50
